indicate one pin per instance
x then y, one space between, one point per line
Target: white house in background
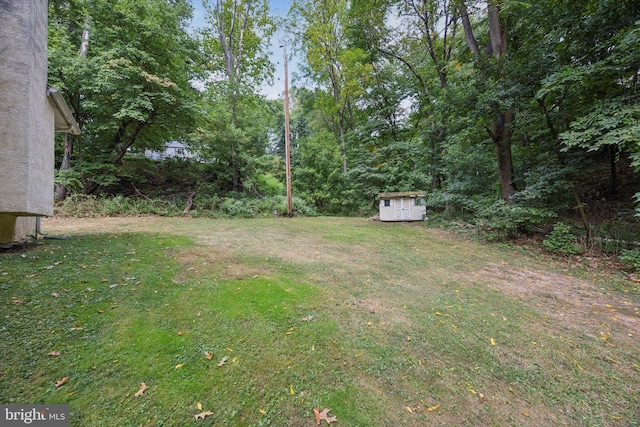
172 150
403 206
30 112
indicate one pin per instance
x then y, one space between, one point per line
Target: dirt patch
62 225
215 261
573 301
392 317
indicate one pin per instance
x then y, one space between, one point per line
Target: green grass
379 322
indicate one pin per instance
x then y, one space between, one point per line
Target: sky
276 7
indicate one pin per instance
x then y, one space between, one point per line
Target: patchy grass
386 324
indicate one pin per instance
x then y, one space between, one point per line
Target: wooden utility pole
287 142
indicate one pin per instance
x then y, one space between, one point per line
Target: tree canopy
502 110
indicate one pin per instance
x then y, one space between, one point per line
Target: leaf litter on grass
395 276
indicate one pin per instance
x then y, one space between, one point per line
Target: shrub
631 258
213 206
562 240
501 219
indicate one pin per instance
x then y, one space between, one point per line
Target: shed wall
411 212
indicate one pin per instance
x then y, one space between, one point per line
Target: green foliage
631 258
130 87
246 207
79 205
562 241
70 178
382 107
504 220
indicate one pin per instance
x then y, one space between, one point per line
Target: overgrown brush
203 206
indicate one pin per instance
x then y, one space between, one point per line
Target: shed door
402 210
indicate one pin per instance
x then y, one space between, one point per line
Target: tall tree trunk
61 190
613 173
468 31
501 136
233 57
501 131
343 144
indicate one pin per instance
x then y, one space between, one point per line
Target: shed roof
402 194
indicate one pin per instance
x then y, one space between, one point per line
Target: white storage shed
403 206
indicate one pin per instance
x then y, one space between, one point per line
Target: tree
234 43
501 130
134 81
68 32
323 41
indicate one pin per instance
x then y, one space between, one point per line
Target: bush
631 258
504 220
90 206
214 206
562 240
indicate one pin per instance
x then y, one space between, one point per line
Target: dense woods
512 115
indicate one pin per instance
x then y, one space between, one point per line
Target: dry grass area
441 331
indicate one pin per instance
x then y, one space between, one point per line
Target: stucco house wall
27 118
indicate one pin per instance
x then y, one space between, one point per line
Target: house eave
63 118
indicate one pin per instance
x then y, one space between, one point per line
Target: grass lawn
258 322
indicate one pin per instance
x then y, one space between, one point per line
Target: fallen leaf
262 411
433 408
223 361
62 381
140 392
179 365
180 333
198 314
409 410
493 342
208 355
54 353
203 415
199 406
291 390
324 415
55 294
